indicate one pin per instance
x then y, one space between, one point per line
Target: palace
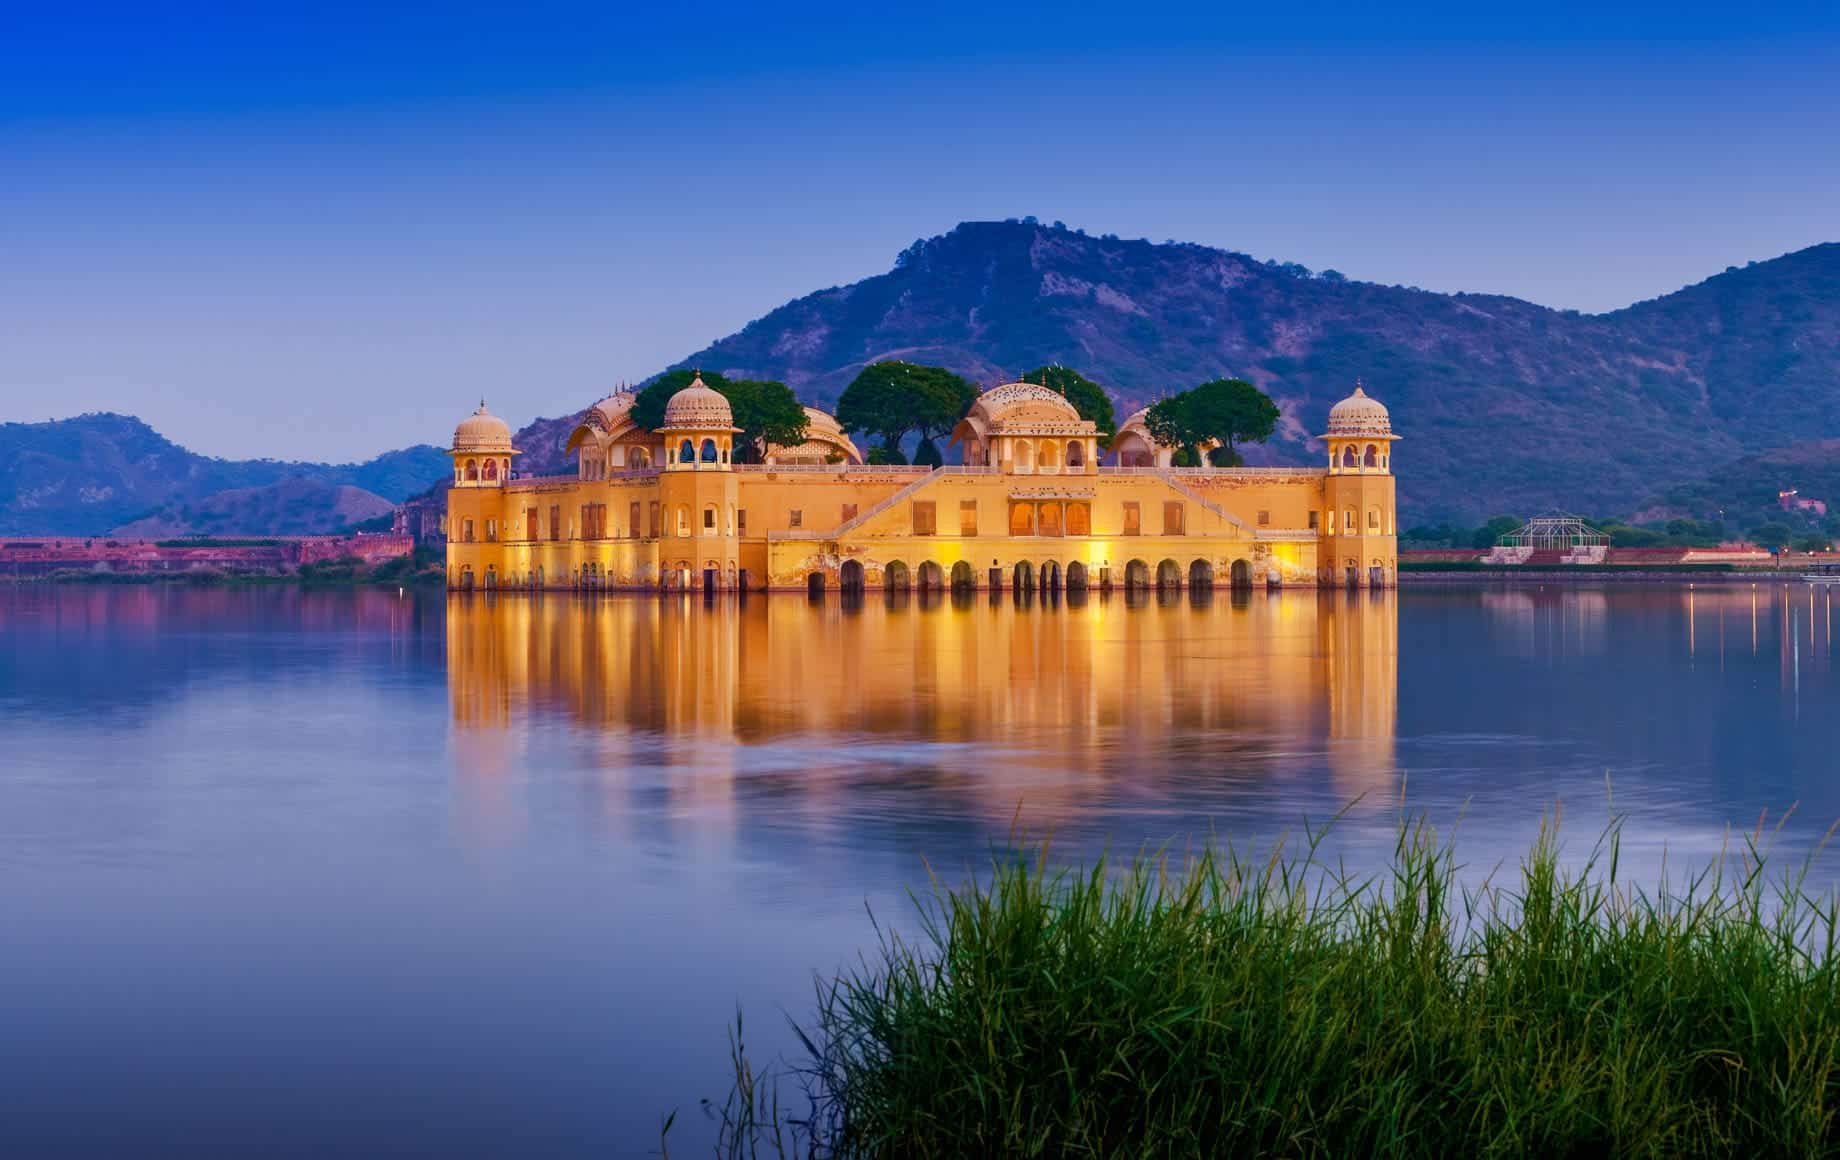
1033 506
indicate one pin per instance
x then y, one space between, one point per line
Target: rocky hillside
90 474
1504 405
292 507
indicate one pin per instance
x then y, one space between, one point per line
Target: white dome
1359 415
482 431
699 408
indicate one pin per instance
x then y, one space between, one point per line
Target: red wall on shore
36 557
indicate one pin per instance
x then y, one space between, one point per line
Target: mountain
292 507
86 475
1504 405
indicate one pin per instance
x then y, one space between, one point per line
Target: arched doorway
1136 575
814 586
932 577
1353 571
1241 574
895 577
964 579
1376 575
1023 580
1050 576
1168 576
1201 574
1076 577
850 577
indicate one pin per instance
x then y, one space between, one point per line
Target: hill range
1504 405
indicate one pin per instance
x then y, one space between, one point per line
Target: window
1076 455
467 534
1079 519
1048 520
593 521
741 520
531 524
1021 519
683 520
491 473
967 517
709 451
1133 518
472 469
925 520
849 512
491 531
1348 459
555 521
709 521
686 453
797 519
1264 519
1373 519
1313 519
632 519
1172 518
655 520
1373 456
1348 521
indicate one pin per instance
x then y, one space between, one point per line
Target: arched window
472 469
1025 455
1050 454
686 452
1348 459
1373 457
1076 454
709 451
683 521
709 520
491 469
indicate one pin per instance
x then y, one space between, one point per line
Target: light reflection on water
488 875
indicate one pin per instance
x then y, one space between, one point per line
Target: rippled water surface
294 873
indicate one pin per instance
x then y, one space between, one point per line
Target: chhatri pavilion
1036 503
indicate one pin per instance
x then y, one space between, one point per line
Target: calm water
292 873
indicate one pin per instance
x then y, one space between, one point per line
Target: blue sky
323 230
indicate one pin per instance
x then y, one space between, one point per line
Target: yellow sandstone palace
1033 506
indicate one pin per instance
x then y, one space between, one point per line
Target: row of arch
1048 576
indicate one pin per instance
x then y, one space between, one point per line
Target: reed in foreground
1223 1005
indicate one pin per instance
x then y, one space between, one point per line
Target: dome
698 408
1359 415
482 431
613 408
1026 399
821 422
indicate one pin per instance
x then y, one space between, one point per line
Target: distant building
1032 507
1793 501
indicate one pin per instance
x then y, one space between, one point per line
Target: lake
293 873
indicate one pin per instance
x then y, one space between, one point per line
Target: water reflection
1046 700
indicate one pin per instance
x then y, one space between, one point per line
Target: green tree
1232 411
763 409
890 398
767 412
1773 535
1495 529
1090 399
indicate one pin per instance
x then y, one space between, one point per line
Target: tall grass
1230 1005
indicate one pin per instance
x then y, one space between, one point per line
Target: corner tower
482 450
699 548
1359 546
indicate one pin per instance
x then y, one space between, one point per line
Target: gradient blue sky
324 230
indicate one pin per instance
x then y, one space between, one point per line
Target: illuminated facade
1032 507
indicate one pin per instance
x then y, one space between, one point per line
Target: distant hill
1744 492
291 507
1504 405
93 473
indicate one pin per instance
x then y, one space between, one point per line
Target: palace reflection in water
1044 703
